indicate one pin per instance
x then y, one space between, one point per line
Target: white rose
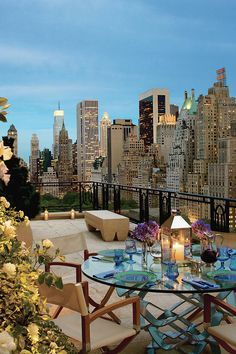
26 220
9 268
33 331
7 344
47 243
9 230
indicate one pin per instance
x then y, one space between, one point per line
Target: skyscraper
152 104
34 158
65 171
118 133
57 125
87 137
12 133
104 124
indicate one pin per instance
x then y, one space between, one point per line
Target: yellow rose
21 214
47 243
9 230
33 332
4 202
62 352
9 268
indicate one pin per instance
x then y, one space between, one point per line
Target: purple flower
146 231
200 228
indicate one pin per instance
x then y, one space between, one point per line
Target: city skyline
73 51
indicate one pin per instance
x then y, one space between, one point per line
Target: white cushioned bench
110 224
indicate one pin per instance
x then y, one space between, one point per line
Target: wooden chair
91 329
224 333
76 243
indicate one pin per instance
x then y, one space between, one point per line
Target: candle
46 215
72 214
178 250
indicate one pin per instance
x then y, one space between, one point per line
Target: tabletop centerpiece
146 233
207 241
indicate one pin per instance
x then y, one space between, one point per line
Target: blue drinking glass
130 249
223 256
118 257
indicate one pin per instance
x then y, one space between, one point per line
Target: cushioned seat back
71 297
69 244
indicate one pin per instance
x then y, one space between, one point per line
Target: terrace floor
63 227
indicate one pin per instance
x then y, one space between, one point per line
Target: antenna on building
59 105
221 76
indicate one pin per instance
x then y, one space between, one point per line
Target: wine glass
130 249
222 256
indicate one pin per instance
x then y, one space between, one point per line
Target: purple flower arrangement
146 231
200 228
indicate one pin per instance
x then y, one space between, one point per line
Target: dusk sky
71 50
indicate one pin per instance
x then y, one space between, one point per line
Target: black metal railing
141 204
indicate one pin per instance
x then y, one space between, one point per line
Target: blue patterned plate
135 276
229 277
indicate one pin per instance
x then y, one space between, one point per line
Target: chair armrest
208 300
77 267
135 301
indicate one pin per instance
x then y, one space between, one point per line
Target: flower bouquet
146 233
207 240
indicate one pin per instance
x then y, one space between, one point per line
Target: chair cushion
102 332
225 332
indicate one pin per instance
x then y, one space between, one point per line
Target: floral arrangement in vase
207 241
146 231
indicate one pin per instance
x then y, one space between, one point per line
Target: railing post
219 215
105 196
80 198
116 198
95 196
164 206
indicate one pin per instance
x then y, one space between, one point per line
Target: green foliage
20 192
127 204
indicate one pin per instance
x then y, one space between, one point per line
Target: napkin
105 275
200 283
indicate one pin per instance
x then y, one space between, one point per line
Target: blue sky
70 50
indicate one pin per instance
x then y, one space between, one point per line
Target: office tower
165 136
104 124
174 110
118 133
46 158
65 171
182 152
12 133
152 104
57 125
74 160
34 157
50 182
87 137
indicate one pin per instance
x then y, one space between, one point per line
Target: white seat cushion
226 332
102 332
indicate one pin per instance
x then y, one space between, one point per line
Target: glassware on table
232 264
118 257
222 256
156 251
130 249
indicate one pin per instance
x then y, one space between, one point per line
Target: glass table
172 327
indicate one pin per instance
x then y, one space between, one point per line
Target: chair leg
57 312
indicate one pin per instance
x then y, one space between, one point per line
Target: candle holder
45 215
176 238
72 214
